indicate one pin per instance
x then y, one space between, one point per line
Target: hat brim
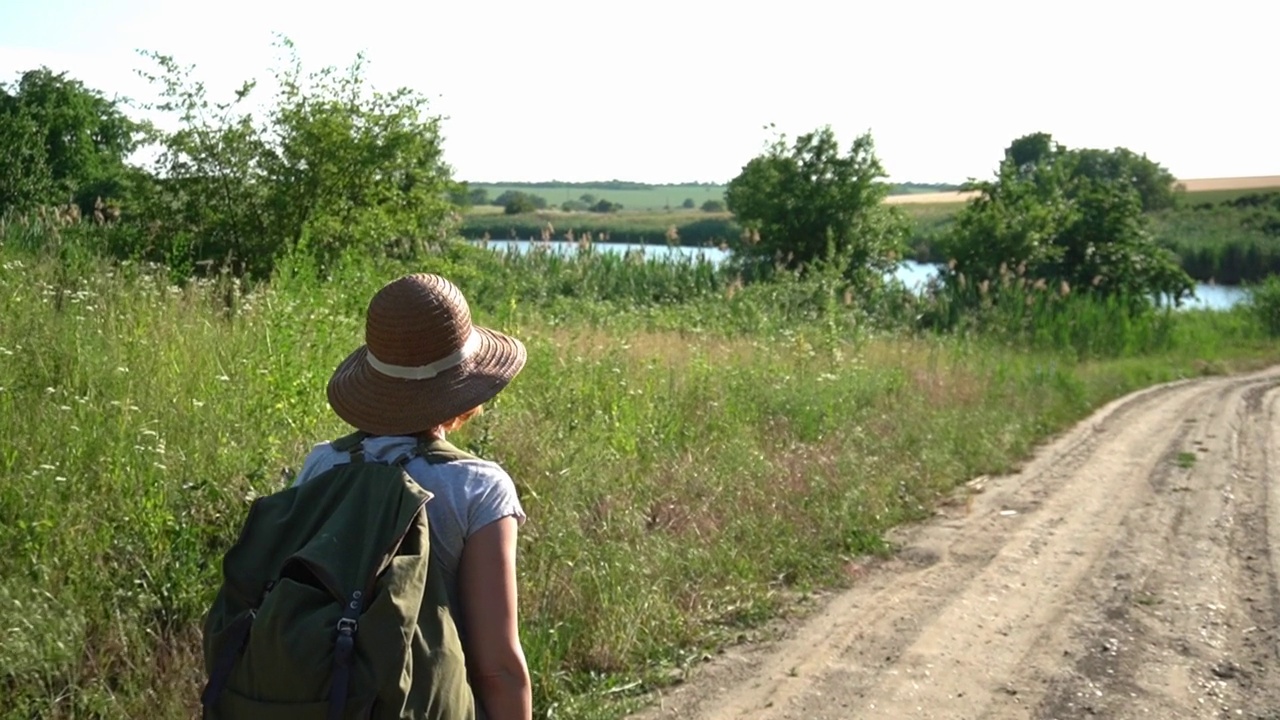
384 405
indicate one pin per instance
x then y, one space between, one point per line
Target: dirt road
1128 571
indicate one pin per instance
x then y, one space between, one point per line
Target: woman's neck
435 433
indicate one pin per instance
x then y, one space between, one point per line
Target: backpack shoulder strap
438 451
346 443
435 451
353 444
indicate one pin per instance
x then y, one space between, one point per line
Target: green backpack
332 605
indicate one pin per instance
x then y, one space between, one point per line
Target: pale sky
662 91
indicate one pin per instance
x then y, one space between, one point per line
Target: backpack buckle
347 626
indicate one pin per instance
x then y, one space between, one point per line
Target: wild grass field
695 456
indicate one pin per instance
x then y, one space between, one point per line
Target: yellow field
1192 185
1257 182
934 198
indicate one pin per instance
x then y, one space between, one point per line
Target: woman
424 371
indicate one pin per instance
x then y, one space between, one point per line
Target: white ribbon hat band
426 372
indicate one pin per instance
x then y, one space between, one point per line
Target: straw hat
423 362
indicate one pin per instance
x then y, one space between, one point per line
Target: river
912 274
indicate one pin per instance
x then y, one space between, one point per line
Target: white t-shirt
469 493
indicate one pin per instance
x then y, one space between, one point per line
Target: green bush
806 203
1059 225
332 167
1264 302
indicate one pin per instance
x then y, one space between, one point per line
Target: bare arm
487 590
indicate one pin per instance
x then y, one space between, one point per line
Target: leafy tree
688 204
1155 184
573 206
211 200
605 206
333 167
805 203
478 196
356 168
712 206
463 195
514 202
25 180
63 142
1057 223
1029 150
588 199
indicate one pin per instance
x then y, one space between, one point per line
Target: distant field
932 198
1196 185
662 197
651 197
1257 182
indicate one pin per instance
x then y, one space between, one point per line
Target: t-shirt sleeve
320 458
494 497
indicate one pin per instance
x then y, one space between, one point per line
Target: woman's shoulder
473 469
321 457
487 490
450 458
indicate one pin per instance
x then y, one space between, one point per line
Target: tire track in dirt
1180 619
1129 570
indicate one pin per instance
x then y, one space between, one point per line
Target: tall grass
1233 241
1034 314
695 456
689 228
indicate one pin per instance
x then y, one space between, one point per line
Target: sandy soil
1128 571
1193 185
